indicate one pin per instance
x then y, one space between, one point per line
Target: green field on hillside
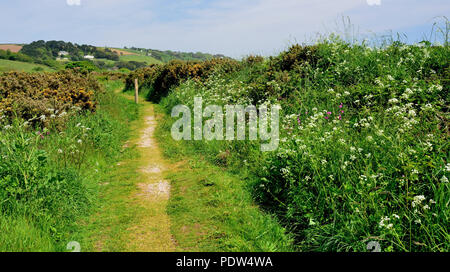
9 65
140 58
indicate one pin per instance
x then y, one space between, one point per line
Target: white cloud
374 2
73 2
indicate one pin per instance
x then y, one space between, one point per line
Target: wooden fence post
136 91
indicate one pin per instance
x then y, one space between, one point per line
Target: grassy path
161 193
151 232
134 196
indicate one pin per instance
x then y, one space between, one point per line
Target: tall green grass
212 210
49 177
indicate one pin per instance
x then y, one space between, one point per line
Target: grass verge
212 210
50 180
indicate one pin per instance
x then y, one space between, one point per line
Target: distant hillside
74 52
58 54
166 56
11 65
130 55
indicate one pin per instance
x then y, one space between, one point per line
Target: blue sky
232 27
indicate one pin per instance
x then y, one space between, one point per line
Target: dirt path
132 211
152 232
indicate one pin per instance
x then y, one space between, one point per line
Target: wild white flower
444 179
377 81
428 146
393 101
418 200
428 107
285 171
369 138
80 141
391 78
42 117
396 216
418 221
447 167
352 157
383 222
60 151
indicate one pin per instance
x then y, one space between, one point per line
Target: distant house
63 53
89 57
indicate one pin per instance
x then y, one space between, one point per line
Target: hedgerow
364 151
159 79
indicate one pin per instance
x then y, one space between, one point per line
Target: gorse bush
364 151
159 79
145 76
83 66
45 96
297 55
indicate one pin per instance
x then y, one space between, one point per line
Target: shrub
43 96
297 55
158 80
83 66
